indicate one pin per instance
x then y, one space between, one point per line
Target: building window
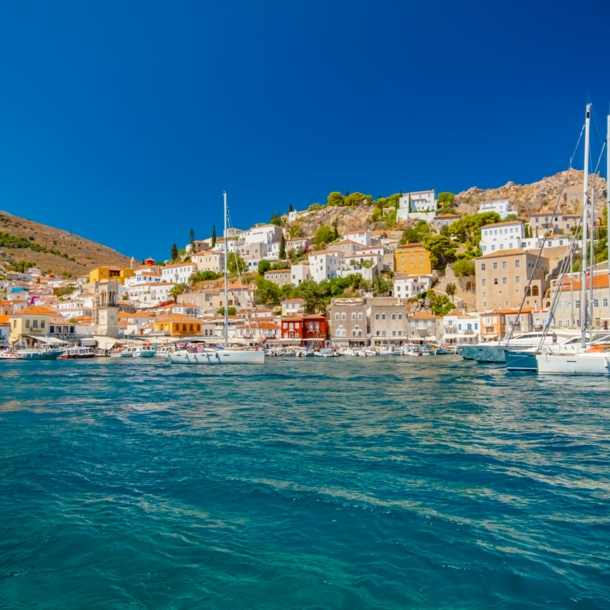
517 279
482 266
517 264
34 323
504 280
360 315
483 282
337 316
383 316
376 316
343 316
495 281
495 265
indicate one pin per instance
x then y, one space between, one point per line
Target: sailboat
224 355
590 359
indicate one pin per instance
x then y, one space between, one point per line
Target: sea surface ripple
306 483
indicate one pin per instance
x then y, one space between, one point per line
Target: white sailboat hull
217 357
573 364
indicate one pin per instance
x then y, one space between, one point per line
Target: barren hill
52 249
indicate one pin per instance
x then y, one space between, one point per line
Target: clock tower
105 308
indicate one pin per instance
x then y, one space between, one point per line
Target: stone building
388 320
348 322
502 279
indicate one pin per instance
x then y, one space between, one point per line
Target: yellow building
111 273
178 325
29 322
412 258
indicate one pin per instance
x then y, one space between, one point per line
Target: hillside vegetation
53 250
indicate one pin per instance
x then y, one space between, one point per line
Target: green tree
276 219
203 276
335 198
451 290
442 250
441 305
213 237
232 311
174 252
468 228
282 252
290 208
323 236
355 198
236 264
296 231
310 293
335 225
264 266
267 293
446 199
191 236
381 286
176 291
463 267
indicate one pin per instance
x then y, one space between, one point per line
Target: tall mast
585 209
226 274
592 257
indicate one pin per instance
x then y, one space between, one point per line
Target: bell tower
105 308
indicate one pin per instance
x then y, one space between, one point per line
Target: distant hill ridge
54 250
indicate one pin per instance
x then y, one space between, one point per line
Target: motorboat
164 351
73 353
411 350
32 353
326 352
389 350
369 351
139 351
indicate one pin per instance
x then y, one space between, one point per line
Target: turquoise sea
306 483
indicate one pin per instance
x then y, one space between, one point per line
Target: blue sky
124 121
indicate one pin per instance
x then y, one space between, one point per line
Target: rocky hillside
530 198
526 199
52 249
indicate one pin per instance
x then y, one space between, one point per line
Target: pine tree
174 252
213 236
192 236
283 247
290 208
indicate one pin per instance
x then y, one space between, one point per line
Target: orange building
178 325
412 259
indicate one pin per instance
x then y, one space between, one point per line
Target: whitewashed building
325 264
501 206
419 205
409 286
300 273
178 273
502 236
